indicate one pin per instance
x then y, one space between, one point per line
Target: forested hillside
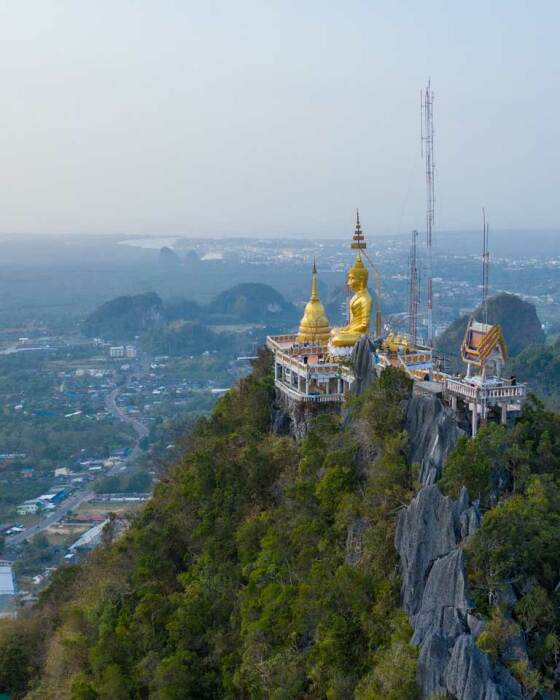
513 557
236 579
267 568
539 365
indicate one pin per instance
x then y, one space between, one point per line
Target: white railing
274 341
456 386
304 368
311 398
504 390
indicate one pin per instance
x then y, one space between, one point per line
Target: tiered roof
481 339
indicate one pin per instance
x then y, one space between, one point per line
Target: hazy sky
275 117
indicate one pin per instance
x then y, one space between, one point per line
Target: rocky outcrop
432 432
428 529
293 418
429 538
362 364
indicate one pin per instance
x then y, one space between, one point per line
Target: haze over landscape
274 119
255 443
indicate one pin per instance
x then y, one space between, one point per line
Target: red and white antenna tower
413 290
485 266
427 152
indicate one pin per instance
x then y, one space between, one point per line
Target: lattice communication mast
427 152
485 266
413 290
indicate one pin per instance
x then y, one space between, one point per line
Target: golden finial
314 292
358 240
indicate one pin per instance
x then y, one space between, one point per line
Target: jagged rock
429 535
445 602
469 675
469 521
432 433
294 418
426 530
355 541
364 371
446 623
432 663
280 422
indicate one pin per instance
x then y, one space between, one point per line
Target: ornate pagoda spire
358 239
314 326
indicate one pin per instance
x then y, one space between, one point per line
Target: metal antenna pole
485 266
413 291
427 150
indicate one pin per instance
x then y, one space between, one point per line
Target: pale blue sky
275 117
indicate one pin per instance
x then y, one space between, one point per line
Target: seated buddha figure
359 307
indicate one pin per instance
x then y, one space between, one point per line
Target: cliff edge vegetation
261 568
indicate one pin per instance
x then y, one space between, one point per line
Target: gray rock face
427 529
432 432
429 535
362 363
445 603
292 418
469 673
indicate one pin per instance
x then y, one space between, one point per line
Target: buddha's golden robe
360 313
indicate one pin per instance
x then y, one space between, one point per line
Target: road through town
85 494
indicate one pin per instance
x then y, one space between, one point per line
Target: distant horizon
230 119
283 236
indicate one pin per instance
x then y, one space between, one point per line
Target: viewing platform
483 391
304 372
483 395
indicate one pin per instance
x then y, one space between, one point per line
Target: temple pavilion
483 390
315 365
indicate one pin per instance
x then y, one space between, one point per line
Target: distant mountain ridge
253 303
126 316
517 318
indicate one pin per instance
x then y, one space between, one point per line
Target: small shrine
483 390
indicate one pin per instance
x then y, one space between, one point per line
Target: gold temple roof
480 341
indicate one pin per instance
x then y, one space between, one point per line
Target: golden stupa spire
314 292
314 326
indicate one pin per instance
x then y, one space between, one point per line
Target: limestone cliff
429 539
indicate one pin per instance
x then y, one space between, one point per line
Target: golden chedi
359 308
314 326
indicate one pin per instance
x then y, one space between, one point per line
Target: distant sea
150 242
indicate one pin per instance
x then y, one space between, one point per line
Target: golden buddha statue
359 307
314 326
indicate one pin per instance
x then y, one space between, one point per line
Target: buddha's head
358 275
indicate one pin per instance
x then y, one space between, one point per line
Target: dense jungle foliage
539 365
266 568
513 559
239 578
